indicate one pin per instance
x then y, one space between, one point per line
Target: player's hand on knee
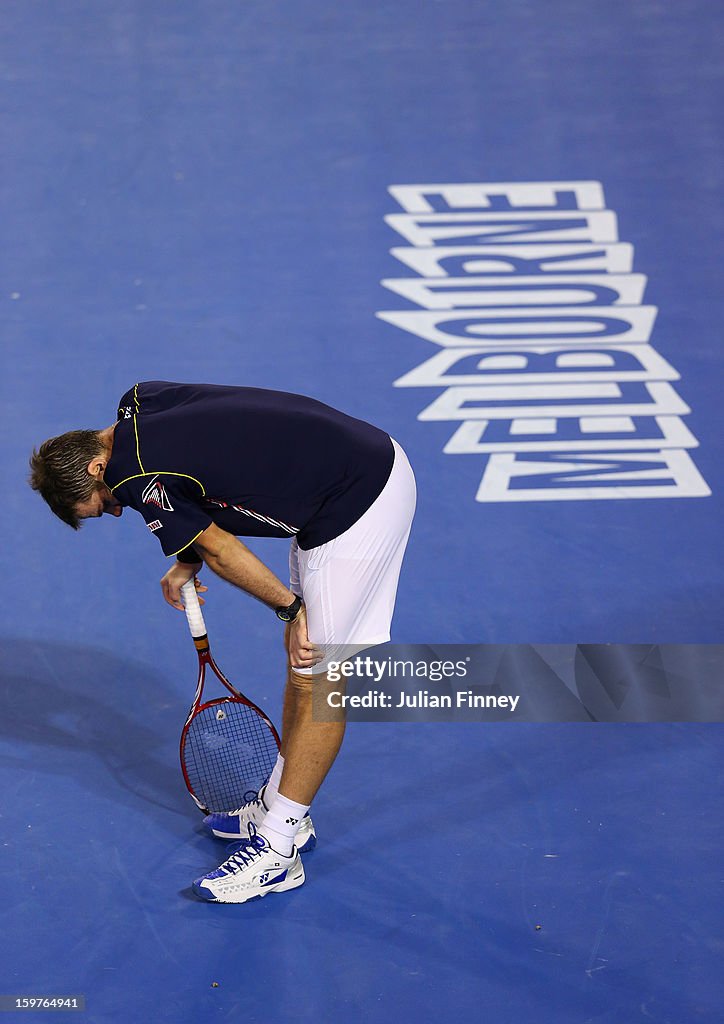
174 579
302 652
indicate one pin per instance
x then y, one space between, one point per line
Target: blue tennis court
211 192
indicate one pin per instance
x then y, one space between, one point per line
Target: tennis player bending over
205 463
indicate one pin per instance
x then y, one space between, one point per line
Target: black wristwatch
289 614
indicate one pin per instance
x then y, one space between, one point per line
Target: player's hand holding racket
174 580
228 745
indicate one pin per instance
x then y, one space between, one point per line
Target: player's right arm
177 575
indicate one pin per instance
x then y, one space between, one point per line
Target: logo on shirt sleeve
155 525
155 494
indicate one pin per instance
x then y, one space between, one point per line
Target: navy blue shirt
255 462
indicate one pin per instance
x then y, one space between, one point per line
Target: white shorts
349 584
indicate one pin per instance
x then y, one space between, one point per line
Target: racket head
228 749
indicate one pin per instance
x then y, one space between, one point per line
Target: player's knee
308 680
301 680
323 692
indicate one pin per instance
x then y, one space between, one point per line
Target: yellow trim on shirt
189 543
138 446
135 426
160 472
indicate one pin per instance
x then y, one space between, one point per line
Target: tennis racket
228 745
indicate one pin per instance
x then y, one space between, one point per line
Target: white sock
272 786
281 824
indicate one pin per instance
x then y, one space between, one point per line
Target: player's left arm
233 561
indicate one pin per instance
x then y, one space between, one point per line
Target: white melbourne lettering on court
543 343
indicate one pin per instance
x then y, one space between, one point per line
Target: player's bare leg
289 712
269 861
309 744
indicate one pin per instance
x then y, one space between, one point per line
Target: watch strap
290 612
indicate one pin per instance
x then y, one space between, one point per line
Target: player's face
100 502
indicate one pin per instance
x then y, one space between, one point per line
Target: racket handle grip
193 609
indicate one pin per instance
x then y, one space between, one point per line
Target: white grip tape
193 609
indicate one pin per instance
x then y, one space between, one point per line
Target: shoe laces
245 851
254 802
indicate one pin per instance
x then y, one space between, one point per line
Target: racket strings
228 753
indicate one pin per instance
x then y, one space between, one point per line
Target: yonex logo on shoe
292 821
263 878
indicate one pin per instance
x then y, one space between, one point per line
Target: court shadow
86 713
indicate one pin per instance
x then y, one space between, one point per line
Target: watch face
289 614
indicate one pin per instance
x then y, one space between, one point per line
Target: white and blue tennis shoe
235 825
251 872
